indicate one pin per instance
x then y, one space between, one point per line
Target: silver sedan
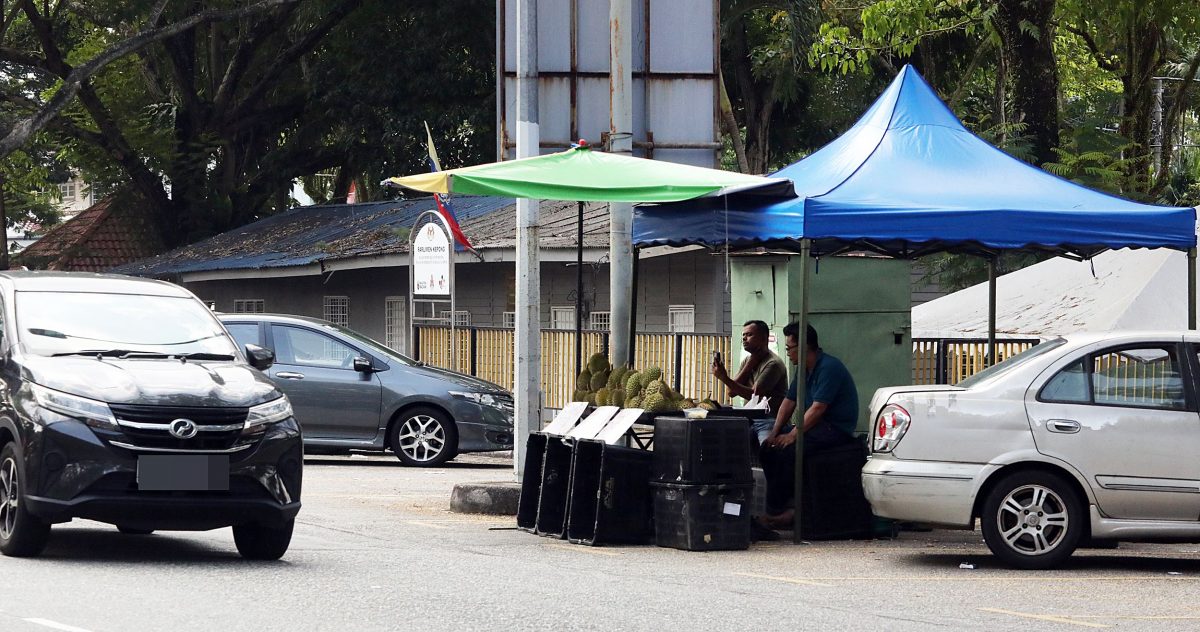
1087 438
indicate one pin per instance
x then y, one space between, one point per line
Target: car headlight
483 399
271 412
93 413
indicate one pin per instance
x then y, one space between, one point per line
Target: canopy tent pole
801 383
1191 259
579 293
527 337
991 353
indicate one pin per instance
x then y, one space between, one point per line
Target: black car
125 401
351 392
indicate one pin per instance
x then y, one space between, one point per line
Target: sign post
431 276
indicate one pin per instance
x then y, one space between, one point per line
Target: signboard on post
431 261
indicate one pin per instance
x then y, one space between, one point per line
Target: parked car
125 401
351 392
1087 438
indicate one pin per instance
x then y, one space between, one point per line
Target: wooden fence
952 360
487 353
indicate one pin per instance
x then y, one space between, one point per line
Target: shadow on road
1141 561
393 462
94 545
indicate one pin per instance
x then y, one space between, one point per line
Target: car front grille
146 428
505 402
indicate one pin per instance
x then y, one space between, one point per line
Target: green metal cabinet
860 306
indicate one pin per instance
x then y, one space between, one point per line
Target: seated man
830 418
761 373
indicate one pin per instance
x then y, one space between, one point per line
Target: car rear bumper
931 492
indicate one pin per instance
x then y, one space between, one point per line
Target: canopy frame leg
801 385
991 344
1191 259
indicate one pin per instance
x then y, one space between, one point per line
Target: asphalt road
376 549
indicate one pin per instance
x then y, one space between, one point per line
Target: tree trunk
1143 48
1026 30
1001 98
729 122
3 225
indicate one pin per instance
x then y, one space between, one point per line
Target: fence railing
952 360
487 353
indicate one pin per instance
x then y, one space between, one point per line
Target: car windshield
118 325
1012 362
375 346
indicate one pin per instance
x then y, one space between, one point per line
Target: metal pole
633 307
1191 288
579 293
453 306
528 342
620 256
991 354
1156 124
801 382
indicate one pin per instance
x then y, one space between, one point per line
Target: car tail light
890 427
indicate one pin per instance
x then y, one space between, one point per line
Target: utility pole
528 341
620 139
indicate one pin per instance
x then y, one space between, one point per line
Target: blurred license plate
191 472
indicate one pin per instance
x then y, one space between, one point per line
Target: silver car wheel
1032 520
422 438
9 498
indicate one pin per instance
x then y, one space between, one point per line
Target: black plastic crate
556 488
708 451
702 517
610 495
531 483
833 506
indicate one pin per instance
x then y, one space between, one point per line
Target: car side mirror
363 365
260 358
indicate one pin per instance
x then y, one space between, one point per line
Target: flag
443 203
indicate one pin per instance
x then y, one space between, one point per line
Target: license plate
183 473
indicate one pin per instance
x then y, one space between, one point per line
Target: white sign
431 261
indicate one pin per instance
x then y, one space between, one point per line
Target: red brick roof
108 234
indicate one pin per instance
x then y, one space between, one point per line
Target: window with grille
562 317
681 319
337 310
393 323
462 317
509 320
249 306
599 321
67 191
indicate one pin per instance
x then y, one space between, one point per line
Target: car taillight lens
890 427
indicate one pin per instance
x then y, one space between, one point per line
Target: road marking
582 549
56 625
1022 578
1044 617
790 580
423 523
1168 617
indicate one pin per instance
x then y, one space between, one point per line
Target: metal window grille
681 319
67 190
393 324
337 310
249 306
600 321
562 317
509 320
462 317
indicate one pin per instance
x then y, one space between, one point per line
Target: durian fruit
653 373
584 383
614 378
616 396
591 399
602 397
655 402
579 396
598 381
632 384
633 402
597 363
657 386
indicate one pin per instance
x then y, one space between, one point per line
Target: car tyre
1033 520
133 531
263 542
21 533
424 437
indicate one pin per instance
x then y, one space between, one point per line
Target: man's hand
771 437
718 371
785 440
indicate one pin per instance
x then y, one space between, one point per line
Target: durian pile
601 384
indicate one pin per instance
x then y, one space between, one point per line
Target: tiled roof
110 233
313 234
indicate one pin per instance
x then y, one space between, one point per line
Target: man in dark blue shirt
830 419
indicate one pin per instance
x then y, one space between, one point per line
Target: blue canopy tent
908 179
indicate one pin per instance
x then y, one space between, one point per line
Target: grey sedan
351 392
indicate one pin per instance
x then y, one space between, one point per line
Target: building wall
487 290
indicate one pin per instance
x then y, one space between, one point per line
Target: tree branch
1102 60
241 61
74 78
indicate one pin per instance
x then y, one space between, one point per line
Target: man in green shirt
761 373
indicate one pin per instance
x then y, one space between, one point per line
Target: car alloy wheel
21 534
10 497
1033 520
422 438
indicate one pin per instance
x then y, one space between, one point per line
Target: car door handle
289 375
1063 426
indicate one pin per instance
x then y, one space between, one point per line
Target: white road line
790 580
56 625
1044 617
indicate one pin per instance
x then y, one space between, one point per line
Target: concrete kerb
498 498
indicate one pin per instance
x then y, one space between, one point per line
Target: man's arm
738 387
782 418
812 417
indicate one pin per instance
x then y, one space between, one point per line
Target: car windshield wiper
114 353
202 355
